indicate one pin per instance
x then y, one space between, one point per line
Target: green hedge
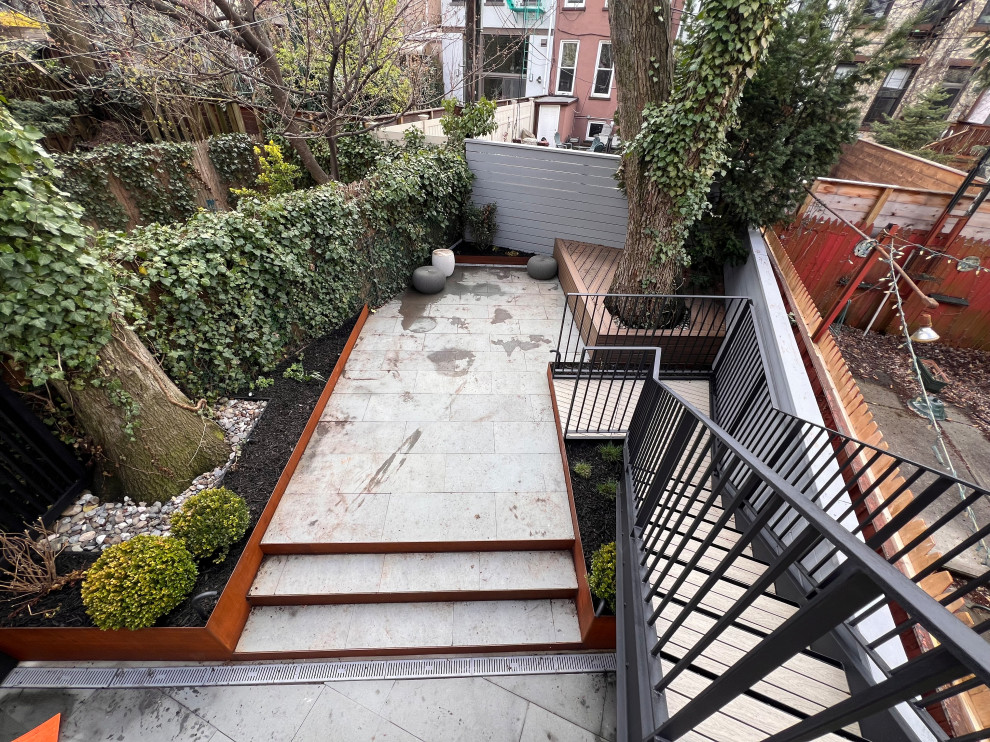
221 297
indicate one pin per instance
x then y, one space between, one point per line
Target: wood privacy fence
821 248
544 194
873 163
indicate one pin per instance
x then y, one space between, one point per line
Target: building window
984 19
573 4
504 66
890 94
844 70
596 129
603 71
567 67
877 8
955 81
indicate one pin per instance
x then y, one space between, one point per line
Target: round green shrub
210 522
602 577
136 582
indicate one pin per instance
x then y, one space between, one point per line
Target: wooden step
368 629
296 579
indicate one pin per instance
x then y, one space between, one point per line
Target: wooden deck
588 269
590 408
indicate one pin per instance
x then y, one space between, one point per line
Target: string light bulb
925 333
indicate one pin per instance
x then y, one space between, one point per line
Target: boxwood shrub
136 582
220 298
210 522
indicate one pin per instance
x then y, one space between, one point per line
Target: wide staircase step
308 579
353 629
320 523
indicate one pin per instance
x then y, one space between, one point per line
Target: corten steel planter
216 640
597 632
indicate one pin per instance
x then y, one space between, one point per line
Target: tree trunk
334 158
642 78
71 32
171 445
301 146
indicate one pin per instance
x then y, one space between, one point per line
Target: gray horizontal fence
544 193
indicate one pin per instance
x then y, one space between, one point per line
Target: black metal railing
789 501
602 361
39 475
691 328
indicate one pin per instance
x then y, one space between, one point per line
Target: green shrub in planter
602 577
210 522
136 582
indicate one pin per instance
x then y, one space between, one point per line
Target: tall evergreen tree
919 124
794 117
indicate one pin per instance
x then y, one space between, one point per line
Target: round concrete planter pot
429 280
541 267
443 260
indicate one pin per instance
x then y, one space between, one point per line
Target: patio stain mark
446 361
500 316
509 346
413 312
382 472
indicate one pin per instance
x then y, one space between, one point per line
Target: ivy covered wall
220 298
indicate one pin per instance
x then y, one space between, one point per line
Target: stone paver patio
430 509
578 708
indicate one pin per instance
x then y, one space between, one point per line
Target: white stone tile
380 381
527 570
521 343
459 311
533 515
492 407
288 628
522 382
542 408
503 622
608 730
553 472
266 581
304 517
542 726
330 574
444 437
579 698
346 407
372 342
527 437
461 342
367 360
431 572
518 312
149 715
448 361
456 710
369 693
255 713
565 620
394 625
343 437
429 380
494 473
442 516
336 717
549 328
409 406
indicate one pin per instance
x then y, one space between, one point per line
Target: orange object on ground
47 732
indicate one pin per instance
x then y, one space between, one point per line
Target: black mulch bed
254 477
469 248
595 511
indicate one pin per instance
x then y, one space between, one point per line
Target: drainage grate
309 672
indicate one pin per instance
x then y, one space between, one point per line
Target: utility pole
472 44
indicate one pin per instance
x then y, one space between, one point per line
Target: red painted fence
822 252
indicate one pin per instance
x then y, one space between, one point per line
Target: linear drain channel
310 672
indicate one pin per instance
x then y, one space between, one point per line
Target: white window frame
598 68
560 66
588 136
573 5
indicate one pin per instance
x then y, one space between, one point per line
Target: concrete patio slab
438 710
